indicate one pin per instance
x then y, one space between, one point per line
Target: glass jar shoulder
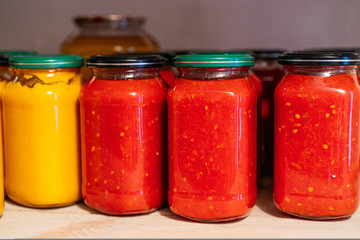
40 95
43 86
232 88
341 84
123 90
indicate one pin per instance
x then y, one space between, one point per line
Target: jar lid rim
214 59
46 61
320 58
126 61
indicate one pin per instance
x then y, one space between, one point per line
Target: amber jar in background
270 72
41 130
108 34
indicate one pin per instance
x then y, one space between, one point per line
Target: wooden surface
77 221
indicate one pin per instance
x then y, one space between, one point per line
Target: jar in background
124 134
41 130
108 34
269 72
316 161
212 137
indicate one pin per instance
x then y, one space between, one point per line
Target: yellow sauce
41 136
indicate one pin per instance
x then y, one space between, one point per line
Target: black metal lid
319 58
4 60
125 61
332 49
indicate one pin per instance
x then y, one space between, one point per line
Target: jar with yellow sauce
41 130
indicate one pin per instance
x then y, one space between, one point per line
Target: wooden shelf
79 221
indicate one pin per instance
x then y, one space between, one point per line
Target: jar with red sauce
124 134
316 142
269 71
212 137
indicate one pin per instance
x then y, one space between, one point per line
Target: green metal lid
17 52
214 59
46 61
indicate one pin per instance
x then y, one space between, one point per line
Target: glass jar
316 161
212 137
269 71
124 134
41 130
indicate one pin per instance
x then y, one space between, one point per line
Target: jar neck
212 73
124 73
321 70
110 29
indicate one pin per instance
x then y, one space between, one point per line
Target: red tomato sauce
168 75
124 153
212 148
269 79
316 161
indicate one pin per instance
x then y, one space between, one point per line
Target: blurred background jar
108 34
270 72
